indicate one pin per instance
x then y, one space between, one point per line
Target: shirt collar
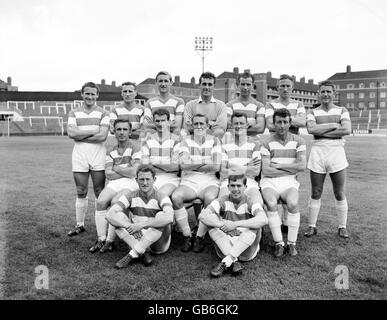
212 99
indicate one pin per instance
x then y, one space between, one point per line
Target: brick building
7 86
361 90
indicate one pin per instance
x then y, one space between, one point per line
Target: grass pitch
37 209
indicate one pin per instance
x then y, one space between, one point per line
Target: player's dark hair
245 75
162 112
146 168
286 77
283 113
238 115
327 83
235 177
207 75
90 85
164 73
117 121
128 83
200 115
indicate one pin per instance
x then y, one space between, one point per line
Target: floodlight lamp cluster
203 43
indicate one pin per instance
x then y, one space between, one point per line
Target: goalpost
38 120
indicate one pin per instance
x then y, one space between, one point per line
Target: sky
52 45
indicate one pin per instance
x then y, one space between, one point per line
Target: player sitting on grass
149 224
283 156
120 170
234 220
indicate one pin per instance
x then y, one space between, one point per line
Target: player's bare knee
81 192
177 200
102 203
292 205
271 204
316 193
339 195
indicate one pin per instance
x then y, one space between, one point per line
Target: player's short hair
117 121
285 77
238 115
235 177
162 112
128 83
90 85
245 75
146 168
200 115
283 113
164 73
327 83
207 75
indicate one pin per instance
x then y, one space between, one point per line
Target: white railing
60 122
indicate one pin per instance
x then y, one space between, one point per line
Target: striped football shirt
142 206
158 152
335 114
294 107
126 159
283 153
135 115
210 150
174 105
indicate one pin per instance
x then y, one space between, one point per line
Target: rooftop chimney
103 81
302 80
236 70
9 81
294 78
348 69
177 80
193 80
113 83
268 74
310 81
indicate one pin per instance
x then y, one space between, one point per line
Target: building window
372 94
361 95
350 95
337 86
350 86
383 94
383 84
372 85
371 105
361 105
361 85
383 104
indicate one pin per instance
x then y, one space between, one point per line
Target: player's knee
317 192
339 195
177 200
98 190
271 204
292 205
81 192
102 203
208 198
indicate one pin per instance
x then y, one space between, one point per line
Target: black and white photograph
190 157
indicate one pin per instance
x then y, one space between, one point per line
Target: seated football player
161 150
120 170
149 224
200 158
240 155
283 156
234 220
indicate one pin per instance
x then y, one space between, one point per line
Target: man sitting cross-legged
283 156
234 220
149 225
120 170
200 158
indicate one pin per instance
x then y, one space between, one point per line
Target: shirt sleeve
71 121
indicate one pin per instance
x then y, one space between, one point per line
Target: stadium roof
359 75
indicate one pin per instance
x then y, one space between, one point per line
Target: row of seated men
223 173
